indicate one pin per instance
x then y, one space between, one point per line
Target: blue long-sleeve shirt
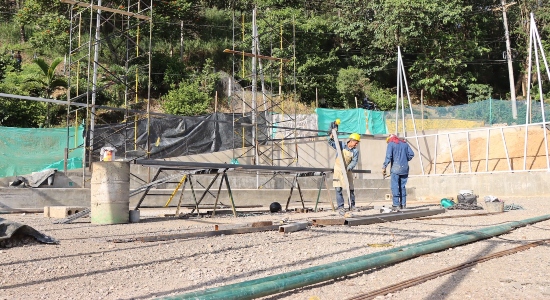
344 146
399 156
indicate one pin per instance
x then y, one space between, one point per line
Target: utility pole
509 59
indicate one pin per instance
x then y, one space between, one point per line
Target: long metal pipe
287 281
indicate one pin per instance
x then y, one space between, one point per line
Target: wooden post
422 107
181 40
216 102
316 99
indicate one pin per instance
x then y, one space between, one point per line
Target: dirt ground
514 139
87 265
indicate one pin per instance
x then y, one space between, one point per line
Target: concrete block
61 212
46 211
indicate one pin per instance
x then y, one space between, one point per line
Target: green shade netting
351 120
27 150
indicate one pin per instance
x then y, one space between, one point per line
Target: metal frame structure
188 169
534 43
270 102
84 68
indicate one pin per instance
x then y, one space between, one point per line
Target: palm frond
42 64
53 66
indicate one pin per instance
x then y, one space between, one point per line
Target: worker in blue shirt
350 154
398 153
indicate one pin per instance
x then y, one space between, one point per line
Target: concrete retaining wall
502 185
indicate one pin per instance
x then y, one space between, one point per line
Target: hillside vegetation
339 50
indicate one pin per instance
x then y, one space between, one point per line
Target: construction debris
197 234
293 227
14 234
388 217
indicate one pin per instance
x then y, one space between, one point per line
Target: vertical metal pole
319 192
509 60
451 151
149 82
94 78
254 91
230 195
435 153
505 149
537 36
469 155
412 113
487 150
528 102
329 198
397 95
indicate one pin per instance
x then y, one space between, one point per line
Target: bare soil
514 139
87 265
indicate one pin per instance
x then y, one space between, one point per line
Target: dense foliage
338 50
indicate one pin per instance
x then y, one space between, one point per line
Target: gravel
86 264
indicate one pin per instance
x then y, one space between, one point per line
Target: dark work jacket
399 156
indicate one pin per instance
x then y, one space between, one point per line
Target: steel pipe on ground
288 281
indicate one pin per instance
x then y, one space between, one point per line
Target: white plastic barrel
110 192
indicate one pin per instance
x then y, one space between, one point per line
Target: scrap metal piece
380 218
262 224
293 227
73 217
198 234
324 222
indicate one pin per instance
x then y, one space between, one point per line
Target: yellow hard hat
355 136
337 121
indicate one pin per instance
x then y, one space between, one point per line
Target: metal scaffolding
89 75
269 112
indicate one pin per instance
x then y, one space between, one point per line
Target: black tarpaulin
179 136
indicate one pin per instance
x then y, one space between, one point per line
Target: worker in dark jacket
398 153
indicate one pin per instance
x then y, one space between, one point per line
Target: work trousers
398 190
340 198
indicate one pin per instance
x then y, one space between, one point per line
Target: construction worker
334 125
350 153
398 153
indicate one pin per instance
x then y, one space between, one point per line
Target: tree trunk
22 35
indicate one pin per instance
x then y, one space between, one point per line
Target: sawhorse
296 183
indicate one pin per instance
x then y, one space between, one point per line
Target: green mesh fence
27 150
490 111
376 122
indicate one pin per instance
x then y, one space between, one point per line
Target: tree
351 83
48 81
193 96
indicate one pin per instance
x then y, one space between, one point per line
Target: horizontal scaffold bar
192 165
